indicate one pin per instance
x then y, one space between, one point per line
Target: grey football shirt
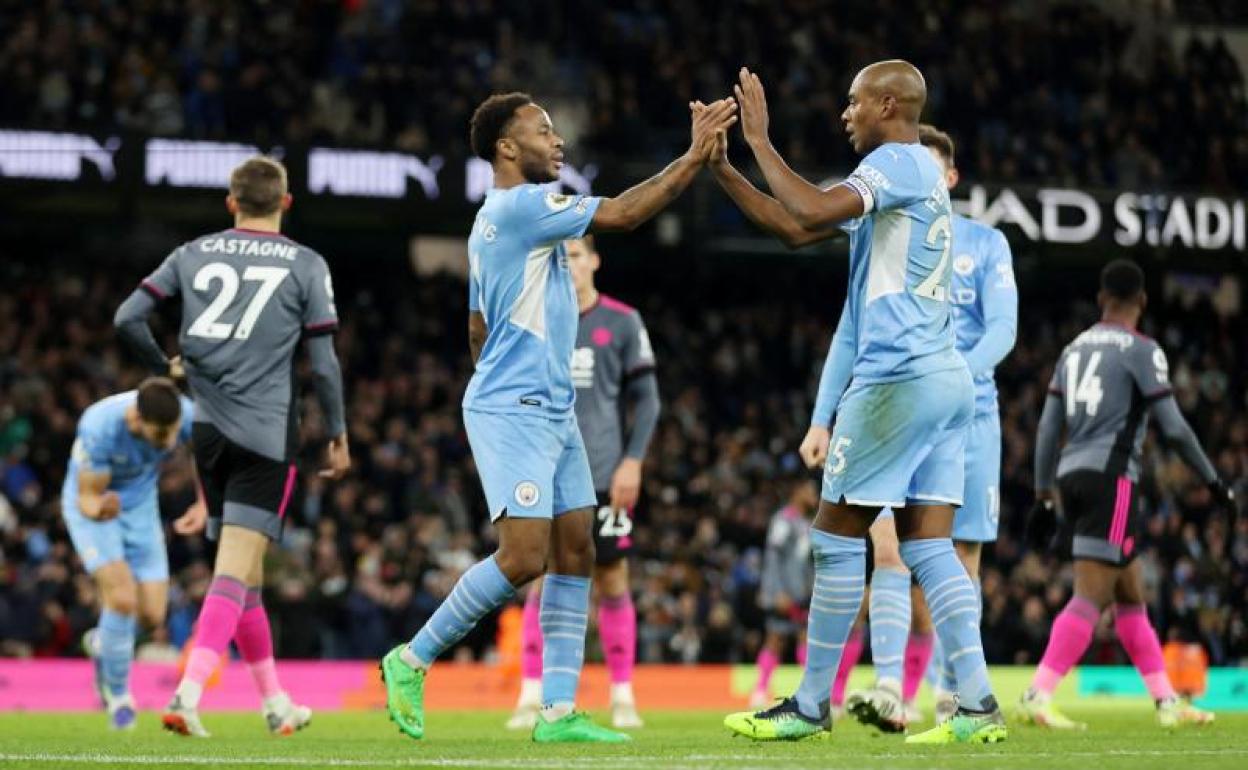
1107 378
248 297
787 565
611 346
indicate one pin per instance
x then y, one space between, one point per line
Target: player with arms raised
109 503
1106 384
518 407
901 424
249 295
612 368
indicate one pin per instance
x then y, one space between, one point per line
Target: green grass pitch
1121 735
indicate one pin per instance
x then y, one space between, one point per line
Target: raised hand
753 102
707 119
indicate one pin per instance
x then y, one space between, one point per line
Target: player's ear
595 261
507 148
951 178
1143 300
231 205
288 200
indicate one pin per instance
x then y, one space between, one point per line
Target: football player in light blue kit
900 433
985 322
109 503
518 408
985 319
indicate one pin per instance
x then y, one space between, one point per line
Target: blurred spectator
1112 95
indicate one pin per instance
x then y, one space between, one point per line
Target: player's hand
192 522
109 508
707 119
1042 522
338 459
753 102
814 448
714 148
177 371
1224 497
626 484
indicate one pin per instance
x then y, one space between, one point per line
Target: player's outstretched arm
130 321
759 207
639 203
812 207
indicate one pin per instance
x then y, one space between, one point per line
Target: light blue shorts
980 513
897 443
530 466
135 537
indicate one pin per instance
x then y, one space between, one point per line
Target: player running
249 294
901 425
1106 384
518 407
613 358
985 319
110 505
784 589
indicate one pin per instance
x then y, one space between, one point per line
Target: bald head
885 102
902 81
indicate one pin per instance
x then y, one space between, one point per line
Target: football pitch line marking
697 761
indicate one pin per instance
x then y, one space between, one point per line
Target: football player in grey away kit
1106 384
249 294
612 362
784 586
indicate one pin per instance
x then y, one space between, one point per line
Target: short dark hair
1123 280
934 138
158 401
258 185
490 120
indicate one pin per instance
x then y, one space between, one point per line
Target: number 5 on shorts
836 455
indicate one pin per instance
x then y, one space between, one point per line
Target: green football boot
576 727
781 722
405 693
965 727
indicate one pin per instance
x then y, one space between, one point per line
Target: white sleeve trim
864 192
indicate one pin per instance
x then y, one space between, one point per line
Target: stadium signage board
1074 216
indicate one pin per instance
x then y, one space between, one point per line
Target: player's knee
887 554
122 600
522 563
612 579
575 557
152 617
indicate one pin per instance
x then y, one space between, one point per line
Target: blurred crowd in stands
366 560
1108 93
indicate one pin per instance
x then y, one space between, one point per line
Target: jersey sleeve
999 297
320 315
163 282
93 444
552 216
474 287
886 179
1055 382
637 355
1150 370
188 420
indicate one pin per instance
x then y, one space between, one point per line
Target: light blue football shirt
985 303
519 280
897 307
104 444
